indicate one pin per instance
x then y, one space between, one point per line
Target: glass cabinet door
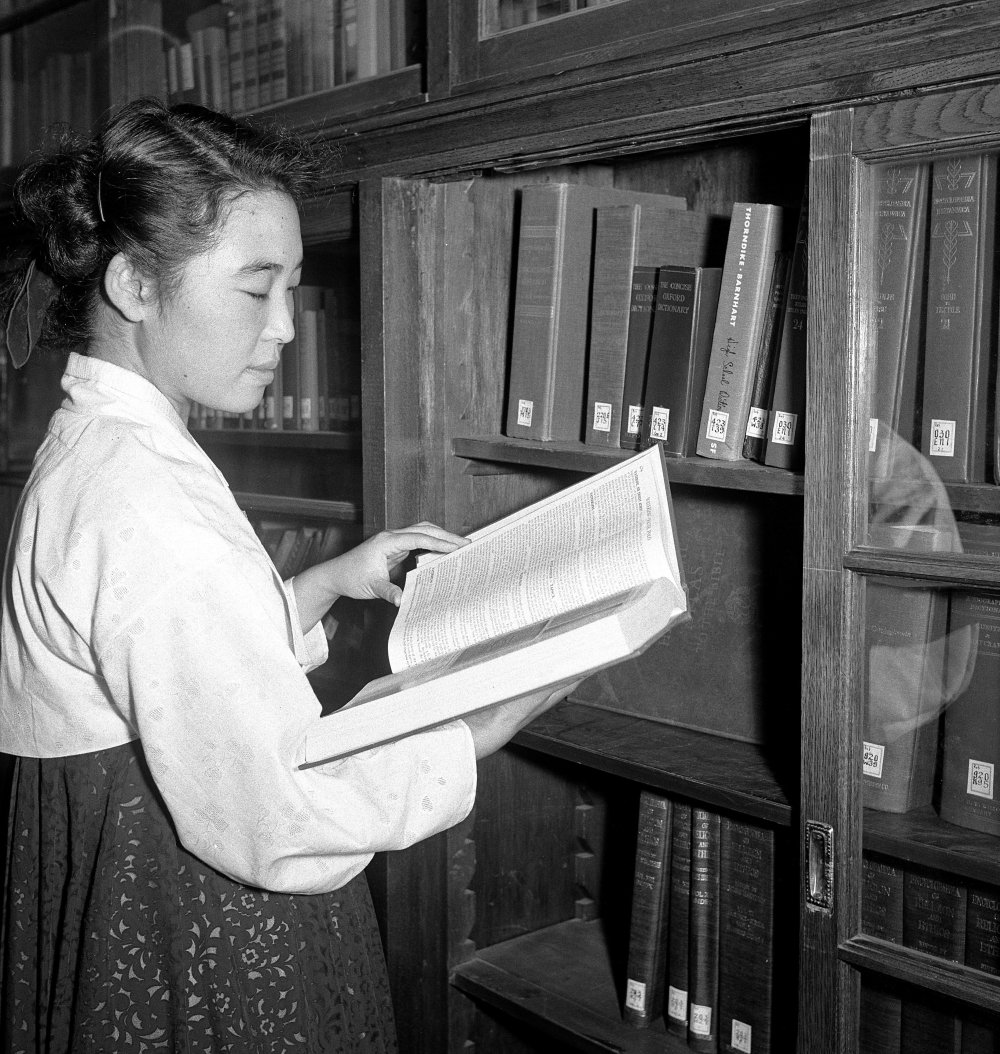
930 730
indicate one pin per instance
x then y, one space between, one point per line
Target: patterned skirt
115 939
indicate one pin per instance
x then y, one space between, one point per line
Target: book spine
678 925
971 723
786 414
670 350
900 258
640 328
755 234
291 357
703 938
959 317
650 898
908 675
881 917
613 298
755 440
546 373
982 952
746 938
934 922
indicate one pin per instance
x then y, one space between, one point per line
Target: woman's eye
257 296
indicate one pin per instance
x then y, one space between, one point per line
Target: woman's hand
495 725
365 572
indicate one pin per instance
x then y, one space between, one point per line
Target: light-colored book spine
755 233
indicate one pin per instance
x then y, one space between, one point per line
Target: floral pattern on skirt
118 941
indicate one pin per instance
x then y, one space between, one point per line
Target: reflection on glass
919 661
509 14
941 915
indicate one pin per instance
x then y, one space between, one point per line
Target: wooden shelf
578 457
721 773
266 438
315 508
561 981
921 837
953 980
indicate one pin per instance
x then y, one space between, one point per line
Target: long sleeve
200 655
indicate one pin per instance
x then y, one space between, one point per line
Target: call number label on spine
718 424
942 442
874 756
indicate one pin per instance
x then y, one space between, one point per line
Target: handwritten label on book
524 411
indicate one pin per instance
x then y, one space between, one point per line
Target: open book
561 589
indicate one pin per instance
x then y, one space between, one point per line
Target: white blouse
139 604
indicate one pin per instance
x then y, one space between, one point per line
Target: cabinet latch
819 865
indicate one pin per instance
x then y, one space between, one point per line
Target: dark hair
154 183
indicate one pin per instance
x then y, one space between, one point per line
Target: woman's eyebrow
260 266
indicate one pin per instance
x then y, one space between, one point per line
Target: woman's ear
128 289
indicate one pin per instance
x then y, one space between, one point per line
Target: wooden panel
709 95
830 774
961 983
967 118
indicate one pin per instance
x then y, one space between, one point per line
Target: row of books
295 546
934 298
940 915
318 385
237 55
639 321
704 953
932 729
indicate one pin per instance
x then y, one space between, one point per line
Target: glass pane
932 717
931 754
896 1017
498 15
932 437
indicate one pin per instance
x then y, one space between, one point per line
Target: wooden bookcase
489 948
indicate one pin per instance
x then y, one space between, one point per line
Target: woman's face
217 339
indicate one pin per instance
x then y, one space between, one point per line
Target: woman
174 881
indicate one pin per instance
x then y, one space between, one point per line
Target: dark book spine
678 926
934 921
755 234
959 315
746 938
786 411
640 327
755 441
972 723
611 302
647 946
981 1035
906 629
703 938
900 275
687 299
882 917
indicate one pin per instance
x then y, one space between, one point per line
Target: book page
590 541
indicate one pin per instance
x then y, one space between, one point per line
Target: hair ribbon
23 325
